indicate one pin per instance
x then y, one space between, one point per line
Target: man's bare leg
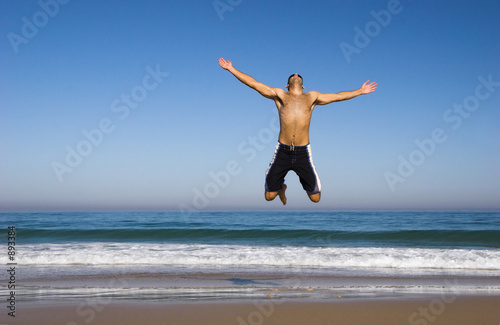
314 197
271 195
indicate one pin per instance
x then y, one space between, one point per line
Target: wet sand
430 309
97 296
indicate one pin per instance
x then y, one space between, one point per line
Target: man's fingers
223 63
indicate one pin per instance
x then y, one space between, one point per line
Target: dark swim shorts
297 158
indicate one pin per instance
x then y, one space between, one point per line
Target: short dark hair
288 82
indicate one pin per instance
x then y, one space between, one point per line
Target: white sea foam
241 255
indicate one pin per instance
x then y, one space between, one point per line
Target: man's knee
314 197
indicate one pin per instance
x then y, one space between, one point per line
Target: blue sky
122 105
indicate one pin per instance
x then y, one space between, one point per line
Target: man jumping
293 151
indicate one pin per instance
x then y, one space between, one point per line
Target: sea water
410 241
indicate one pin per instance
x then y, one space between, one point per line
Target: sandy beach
430 309
259 298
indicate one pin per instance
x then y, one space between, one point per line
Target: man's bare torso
295 112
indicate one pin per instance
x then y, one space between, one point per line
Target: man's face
295 78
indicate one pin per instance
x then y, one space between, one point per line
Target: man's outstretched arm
366 88
262 89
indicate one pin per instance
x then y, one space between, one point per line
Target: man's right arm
266 91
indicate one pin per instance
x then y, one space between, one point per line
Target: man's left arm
366 88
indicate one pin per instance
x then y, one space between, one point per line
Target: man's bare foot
281 193
314 197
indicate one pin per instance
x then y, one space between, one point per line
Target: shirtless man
293 151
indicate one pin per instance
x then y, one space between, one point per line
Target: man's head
295 79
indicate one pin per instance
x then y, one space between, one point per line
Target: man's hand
225 64
368 88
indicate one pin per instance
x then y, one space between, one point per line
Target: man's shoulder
313 94
280 92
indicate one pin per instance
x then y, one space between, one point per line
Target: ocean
58 249
467 241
